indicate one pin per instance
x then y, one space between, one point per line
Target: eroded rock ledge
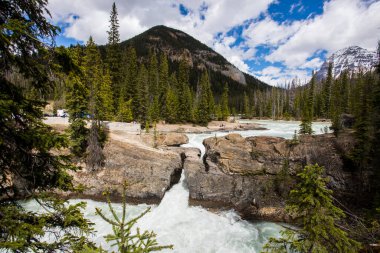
255 174
149 171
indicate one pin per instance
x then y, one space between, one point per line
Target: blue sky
274 40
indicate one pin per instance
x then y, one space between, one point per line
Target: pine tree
76 104
336 105
154 93
105 98
93 77
125 110
246 108
327 91
224 103
163 81
153 76
143 95
361 152
311 202
218 112
123 236
114 56
184 94
27 145
308 109
171 106
203 108
154 110
131 81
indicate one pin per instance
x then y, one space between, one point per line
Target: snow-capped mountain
352 58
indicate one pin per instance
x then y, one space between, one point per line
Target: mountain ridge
178 45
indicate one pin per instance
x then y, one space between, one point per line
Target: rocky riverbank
254 175
150 167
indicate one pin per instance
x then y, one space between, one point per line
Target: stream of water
194 229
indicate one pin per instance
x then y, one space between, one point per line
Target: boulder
175 139
169 139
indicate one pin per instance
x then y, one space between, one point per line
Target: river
194 229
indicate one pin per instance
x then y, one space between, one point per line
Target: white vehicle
62 113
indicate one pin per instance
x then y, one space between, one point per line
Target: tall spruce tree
246 107
171 101
130 91
163 81
76 104
326 92
337 104
105 103
114 53
26 143
93 76
360 155
204 107
125 113
143 95
311 203
154 88
184 94
308 109
224 103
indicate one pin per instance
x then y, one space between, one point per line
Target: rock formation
149 173
254 175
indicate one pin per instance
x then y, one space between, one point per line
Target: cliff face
149 172
254 175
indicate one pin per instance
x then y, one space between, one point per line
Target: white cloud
279 77
270 33
235 55
312 64
343 23
135 16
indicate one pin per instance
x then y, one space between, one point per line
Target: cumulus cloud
276 76
343 23
204 20
234 54
270 33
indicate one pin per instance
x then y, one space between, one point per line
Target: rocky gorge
252 175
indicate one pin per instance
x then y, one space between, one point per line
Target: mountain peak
352 58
